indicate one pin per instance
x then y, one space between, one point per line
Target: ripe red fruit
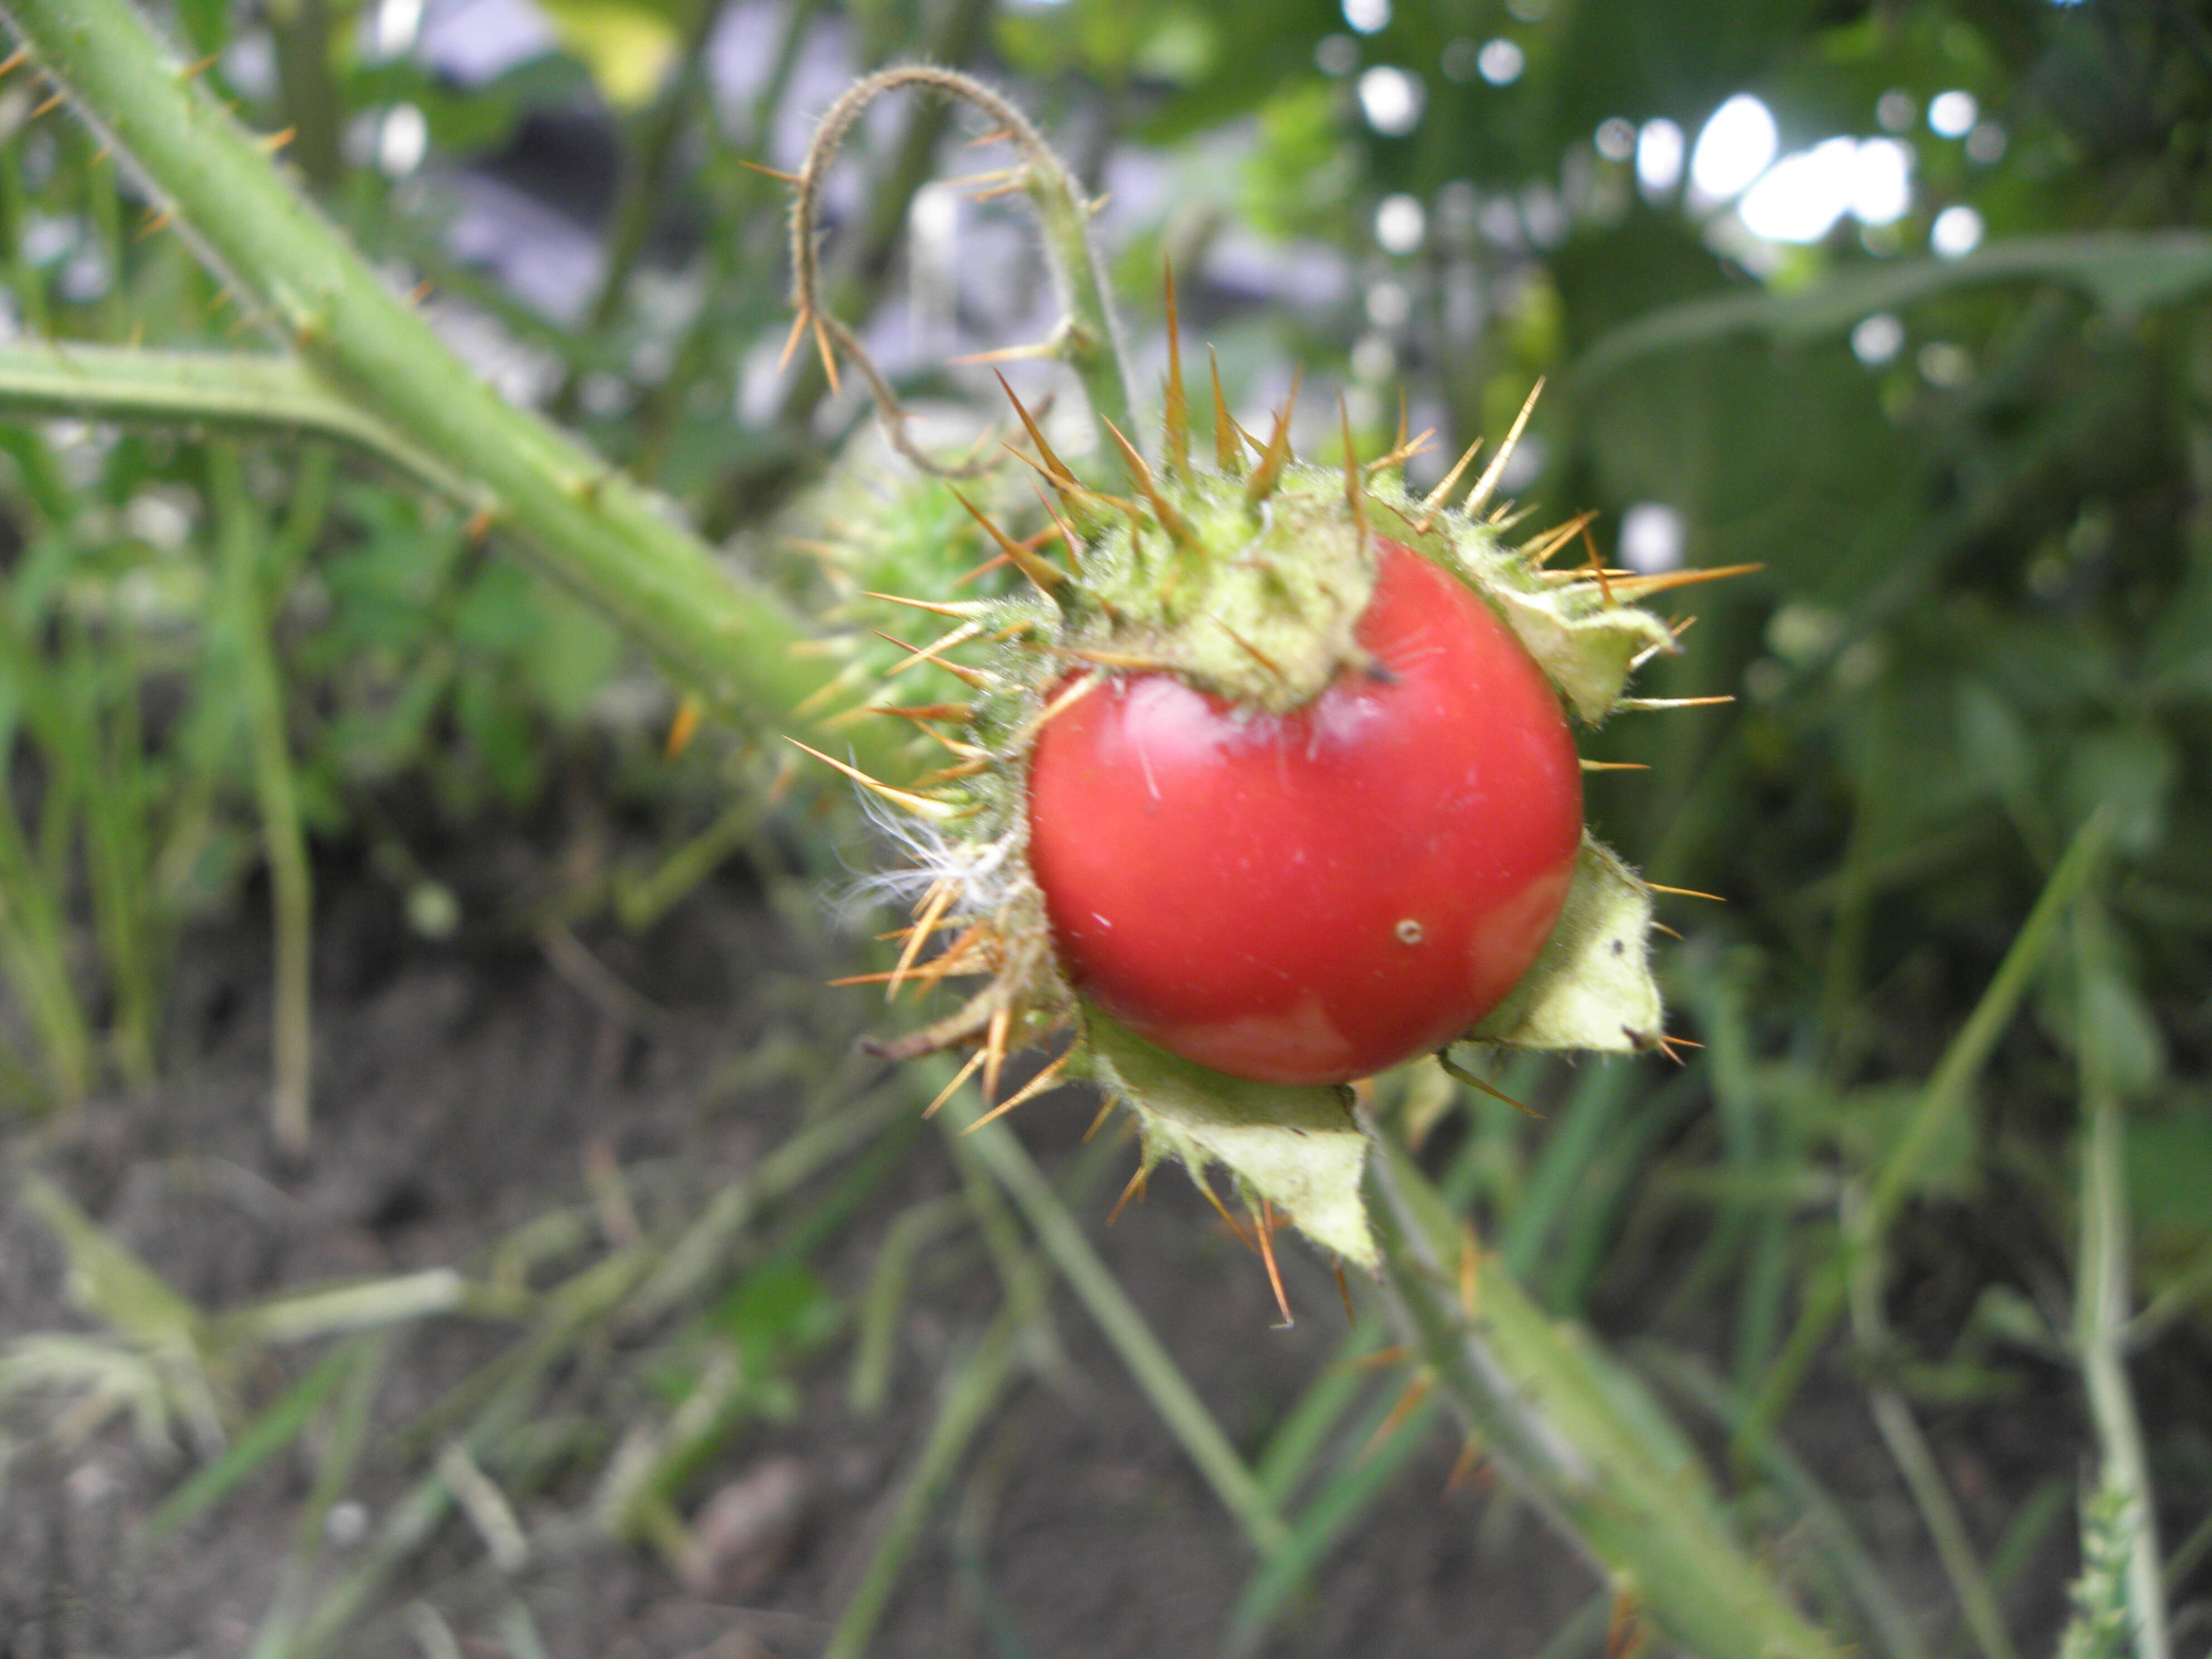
1315 896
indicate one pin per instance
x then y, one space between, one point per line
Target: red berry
1315 896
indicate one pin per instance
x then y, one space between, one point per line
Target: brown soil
460 1090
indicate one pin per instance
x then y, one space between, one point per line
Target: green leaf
2123 272
1295 1146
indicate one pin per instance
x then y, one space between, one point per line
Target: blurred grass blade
1947 1096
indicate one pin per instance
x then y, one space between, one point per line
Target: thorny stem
728 640
1548 1408
1089 336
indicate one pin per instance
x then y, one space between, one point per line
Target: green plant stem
35 942
2104 1297
1948 1094
283 839
1577 1436
728 640
245 390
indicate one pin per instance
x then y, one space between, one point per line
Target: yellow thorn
1597 566
919 805
1277 453
994 1048
1540 550
932 605
1491 473
1266 1220
53 103
1646 703
829 357
1344 1290
1354 496
1433 502
774 173
1662 927
1016 354
1135 1189
1056 469
199 66
684 727
929 654
1176 434
1416 1392
1118 660
1105 1111
1452 1069
1685 892
1068 538
276 141
156 224
939 900
1614 766
1638 587
1250 649
1053 710
1228 448
1027 563
1029 1090
13 60
421 291
953 1087
1164 511
791 340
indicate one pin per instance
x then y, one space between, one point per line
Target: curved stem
1089 336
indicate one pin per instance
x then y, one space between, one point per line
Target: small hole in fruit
1409 931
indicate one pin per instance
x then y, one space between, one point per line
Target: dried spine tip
1496 470
1169 517
1176 434
1054 468
1046 578
1227 446
919 805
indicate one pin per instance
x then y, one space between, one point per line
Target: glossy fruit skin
1315 896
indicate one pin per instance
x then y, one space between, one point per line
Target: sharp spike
1044 575
1118 660
1164 511
1452 1069
1250 649
1345 1291
1661 927
1222 1210
155 223
953 959
1056 469
1067 537
276 141
684 727
1029 1091
1105 1111
1135 1189
1227 446
1597 566
1540 550
1175 434
791 340
1614 766
1277 453
1053 710
829 357
936 902
994 1048
15 60
1408 1402
48 105
1496 470
1266 1220
935 607
1406 450
1432 503
1013 353
1640 587
993 563
1685 892
919 805
929 654
953 1087
776 174
1646 703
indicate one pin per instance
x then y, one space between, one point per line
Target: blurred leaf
628 45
